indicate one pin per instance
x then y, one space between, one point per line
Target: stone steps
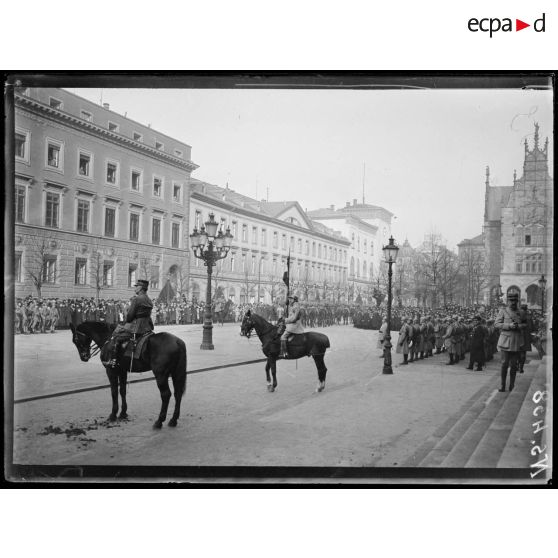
482 433
522 438
492 444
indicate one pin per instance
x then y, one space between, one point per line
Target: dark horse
163 353
312 344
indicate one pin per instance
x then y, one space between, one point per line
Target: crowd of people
423 330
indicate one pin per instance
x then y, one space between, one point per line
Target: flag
286 274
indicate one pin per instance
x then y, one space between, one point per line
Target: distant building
368 227
100 200
518 228
265 233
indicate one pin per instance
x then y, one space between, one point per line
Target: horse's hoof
270 388
123 416
112 418
173 422
157 424
321 387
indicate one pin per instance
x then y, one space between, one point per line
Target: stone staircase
494 429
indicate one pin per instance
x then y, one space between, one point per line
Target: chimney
106 105
354 201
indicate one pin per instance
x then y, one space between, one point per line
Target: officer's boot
503 376
412 359
450 360
284 348
405 359
422 355
113 361
512 377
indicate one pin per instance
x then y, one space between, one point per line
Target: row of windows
112 126
299 245
529 264
275 267
530 237
365 244
87 272
53 212
356 270
54 160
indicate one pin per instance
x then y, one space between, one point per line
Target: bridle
86 353
247 327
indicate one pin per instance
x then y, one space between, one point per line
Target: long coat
477 337
138 317
449 339
403 340
381 335
293 321
510 340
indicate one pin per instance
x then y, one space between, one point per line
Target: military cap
142 283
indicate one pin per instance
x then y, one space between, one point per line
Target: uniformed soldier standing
405 334
510 322
138 319
294 325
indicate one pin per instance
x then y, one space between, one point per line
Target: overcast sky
424 152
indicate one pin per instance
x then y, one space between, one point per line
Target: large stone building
368 227
100 200
264 235
518 228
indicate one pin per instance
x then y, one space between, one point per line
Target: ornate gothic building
518 227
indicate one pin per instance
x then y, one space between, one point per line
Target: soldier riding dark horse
138 322
311 343
163 353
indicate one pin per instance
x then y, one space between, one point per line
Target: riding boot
512 378
405 359
284 353
503 376
412 359
113 360
422 355
450 360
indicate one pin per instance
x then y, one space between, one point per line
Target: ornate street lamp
390 255
210 246
542 285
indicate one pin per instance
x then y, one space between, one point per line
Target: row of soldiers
421 338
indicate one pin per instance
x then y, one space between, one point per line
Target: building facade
368 227
518 228
265 234
100 200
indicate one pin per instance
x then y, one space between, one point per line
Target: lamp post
542 285
209 246
390 255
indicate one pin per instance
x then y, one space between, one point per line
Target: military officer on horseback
138 320
293 325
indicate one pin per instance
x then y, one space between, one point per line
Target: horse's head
247 324
82 341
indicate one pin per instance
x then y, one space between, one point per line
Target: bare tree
248 283
179 280
472 274
39 263
275 286
96 274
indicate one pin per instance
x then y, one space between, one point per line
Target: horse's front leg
122 380
274 373
267 375
113 379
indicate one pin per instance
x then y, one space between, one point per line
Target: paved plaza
363 418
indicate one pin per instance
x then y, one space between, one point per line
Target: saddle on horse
127 347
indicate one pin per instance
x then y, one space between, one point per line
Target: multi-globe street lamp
390 255
210 246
